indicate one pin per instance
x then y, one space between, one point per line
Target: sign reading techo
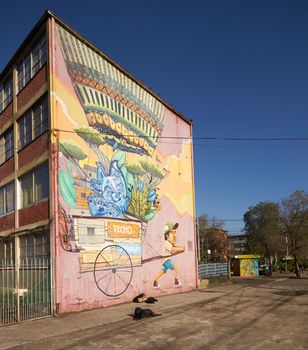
117 229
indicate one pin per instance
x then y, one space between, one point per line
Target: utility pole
287 253
198 239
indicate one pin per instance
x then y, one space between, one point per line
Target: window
7 198
7 251
39 55
90 231
7 145
34 245
40 117
31 63
25 129
35 185
6 93
33 123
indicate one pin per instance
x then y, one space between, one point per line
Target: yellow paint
179 169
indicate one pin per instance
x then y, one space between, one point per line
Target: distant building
237 245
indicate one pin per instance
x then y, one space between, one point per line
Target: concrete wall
123 171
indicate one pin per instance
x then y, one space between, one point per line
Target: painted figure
111 195
168 250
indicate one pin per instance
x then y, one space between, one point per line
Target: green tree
94 141
71 150
153 173
263 232
294 226
135 169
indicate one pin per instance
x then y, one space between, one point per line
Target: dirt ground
261 313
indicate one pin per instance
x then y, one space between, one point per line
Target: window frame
32 187
6 93
7 146
4 198
29 66
7 250
37 244
33 123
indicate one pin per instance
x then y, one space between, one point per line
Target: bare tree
294 225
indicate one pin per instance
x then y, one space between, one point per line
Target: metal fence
25 291
212 270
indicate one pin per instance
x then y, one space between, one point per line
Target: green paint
67 189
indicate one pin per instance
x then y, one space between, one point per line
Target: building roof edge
49 14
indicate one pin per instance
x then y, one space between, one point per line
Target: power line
214 138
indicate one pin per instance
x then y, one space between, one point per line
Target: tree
153 173
263 232
210 238
294 226
71 150
202 240
217 244
94 141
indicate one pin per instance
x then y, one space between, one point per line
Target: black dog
143 313
150 300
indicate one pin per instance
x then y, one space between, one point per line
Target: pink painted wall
77 246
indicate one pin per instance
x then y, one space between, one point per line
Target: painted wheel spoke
119 276
108 282
122 275
100 279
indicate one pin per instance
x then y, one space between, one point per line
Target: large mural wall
125 184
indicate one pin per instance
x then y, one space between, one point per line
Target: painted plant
121 115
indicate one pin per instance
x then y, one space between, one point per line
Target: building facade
96 198
237 245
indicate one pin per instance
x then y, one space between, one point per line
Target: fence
206 270
25 291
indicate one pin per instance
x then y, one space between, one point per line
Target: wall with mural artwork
249 268
125 183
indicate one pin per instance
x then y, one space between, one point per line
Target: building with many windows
92 189
237 245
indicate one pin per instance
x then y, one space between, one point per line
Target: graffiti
249 267
66 235
113 270
112 177
66 184
111 197
168 250
127 116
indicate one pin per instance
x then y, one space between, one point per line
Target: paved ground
261 313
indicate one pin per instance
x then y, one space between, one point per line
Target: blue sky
236 68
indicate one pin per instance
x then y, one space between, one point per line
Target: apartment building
92 189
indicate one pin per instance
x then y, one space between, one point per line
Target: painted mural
249 268
112 176
169 249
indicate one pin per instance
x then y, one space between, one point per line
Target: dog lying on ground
143 313
139 298
150 300
142 299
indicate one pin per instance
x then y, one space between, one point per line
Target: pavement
43 331
22 334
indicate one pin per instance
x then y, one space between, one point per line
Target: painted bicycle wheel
113 270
